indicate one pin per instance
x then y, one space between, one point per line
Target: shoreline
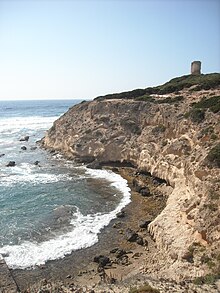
79 268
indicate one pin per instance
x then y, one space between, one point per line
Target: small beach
78 268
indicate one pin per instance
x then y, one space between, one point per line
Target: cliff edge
173 132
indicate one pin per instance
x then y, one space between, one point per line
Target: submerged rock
121 214
11 164
33 148
23 148
24 138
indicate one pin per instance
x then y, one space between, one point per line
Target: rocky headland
171 134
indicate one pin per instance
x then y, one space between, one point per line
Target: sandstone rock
174 154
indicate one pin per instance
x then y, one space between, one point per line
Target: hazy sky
82 49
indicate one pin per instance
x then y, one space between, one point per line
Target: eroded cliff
174 137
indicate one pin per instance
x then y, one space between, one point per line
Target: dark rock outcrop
24 138
11 164
131 235
102 260
144 223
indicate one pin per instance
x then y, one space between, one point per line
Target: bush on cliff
144 289
213 104
214 156
202 81
197 115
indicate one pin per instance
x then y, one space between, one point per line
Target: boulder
94 165
140 186
2 155
24 138
140 240
102 260
144 223
120 252
145 191
11 164
121 214
131 235
23 148
33 148
114 250
36 163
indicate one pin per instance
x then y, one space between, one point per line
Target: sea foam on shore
84 233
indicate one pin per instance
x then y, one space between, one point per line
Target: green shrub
144 289
207 130
202 81
208 279
170 100
214 155
213 104
196 115
145 98
213 136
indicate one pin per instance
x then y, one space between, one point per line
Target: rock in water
11 164
24 138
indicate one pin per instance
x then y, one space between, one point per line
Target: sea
49 206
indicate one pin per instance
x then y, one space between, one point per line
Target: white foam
25 173
84 234
16 124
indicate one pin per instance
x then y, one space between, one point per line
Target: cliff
175 137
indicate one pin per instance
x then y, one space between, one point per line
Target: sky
82 49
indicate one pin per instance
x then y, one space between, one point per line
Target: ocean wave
24 174
84 233
13 125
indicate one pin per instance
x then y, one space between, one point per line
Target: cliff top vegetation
195 82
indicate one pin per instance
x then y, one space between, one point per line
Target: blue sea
49 209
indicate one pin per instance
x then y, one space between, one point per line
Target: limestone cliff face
160 138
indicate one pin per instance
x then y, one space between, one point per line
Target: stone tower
196 67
